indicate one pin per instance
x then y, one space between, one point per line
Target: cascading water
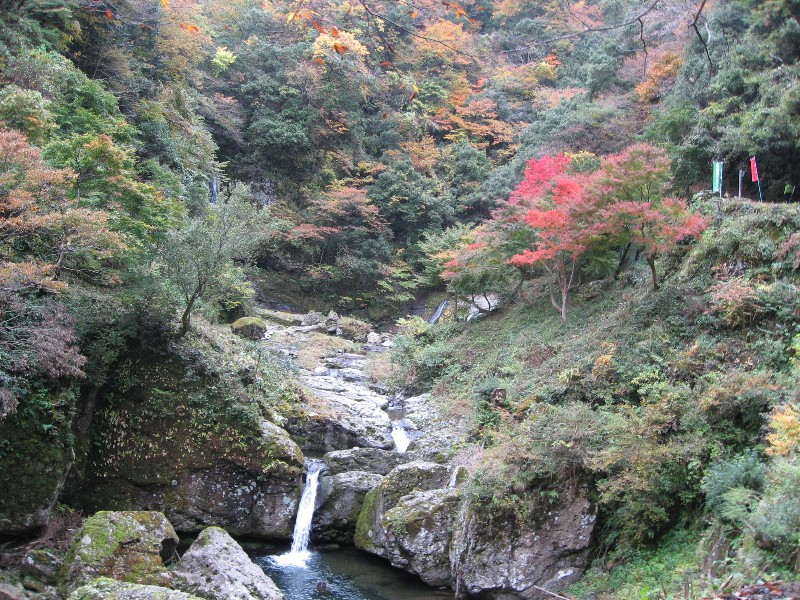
298 554
400 437
438 314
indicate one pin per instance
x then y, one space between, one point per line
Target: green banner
716 184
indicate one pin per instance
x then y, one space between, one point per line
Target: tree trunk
564 293
187 314
651 261
622 260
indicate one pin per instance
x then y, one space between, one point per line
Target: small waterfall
438 314
400 437
298 554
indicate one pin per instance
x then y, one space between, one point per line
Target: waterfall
298 554
400 437
438 314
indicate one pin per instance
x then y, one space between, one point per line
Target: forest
603 192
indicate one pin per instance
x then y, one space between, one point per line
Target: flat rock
217 568
371 460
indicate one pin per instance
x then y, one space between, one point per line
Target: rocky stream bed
386 482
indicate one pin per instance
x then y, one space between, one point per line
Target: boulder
251 328
340 498
371 460
510 556
401 481
216 568
418 532
346 414
111 589
41 564
353 329
127 546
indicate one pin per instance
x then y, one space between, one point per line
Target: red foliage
563 210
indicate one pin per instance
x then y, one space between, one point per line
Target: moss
366 516
109 589
35 450
249 327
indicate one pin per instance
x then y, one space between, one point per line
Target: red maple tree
563 210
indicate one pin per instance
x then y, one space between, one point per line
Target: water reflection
345 575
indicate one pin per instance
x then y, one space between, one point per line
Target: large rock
42 564
251 328
418 532
216 568
353 329
176 433
252 491
127 546
340 497
508 556
401 481
345 414
110 589
371 460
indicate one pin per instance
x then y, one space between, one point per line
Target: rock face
494 557
216 568
371 460
341 497
251 328
353 413
170 439
127 546
418 532
110 589
401 481
33 465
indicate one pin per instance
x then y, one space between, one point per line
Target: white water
299 554
438 314
400 437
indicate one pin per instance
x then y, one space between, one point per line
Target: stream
304 573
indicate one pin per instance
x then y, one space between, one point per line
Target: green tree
196 256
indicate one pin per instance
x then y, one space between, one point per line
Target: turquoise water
345 574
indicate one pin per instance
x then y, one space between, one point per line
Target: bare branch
588 30
700 37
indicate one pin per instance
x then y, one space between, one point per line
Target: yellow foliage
326 45
785 424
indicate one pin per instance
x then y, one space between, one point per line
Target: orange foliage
663 72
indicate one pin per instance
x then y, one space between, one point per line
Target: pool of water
345 574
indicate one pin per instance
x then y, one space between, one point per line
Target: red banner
753 169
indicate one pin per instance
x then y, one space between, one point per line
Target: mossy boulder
353 329
251 328
546 543
217 568
126 546
402 480
418 533
111 589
